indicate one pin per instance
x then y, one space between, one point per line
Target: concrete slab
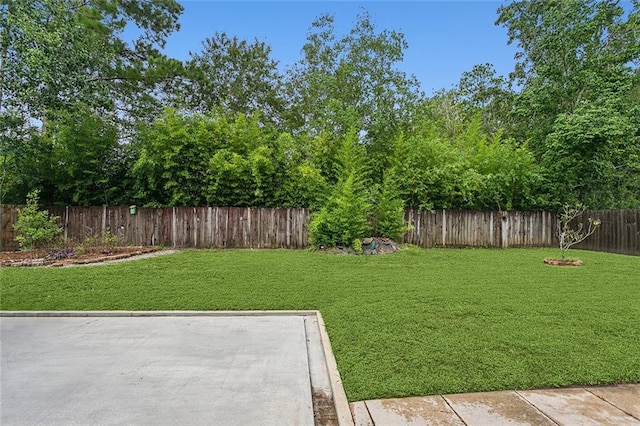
496 409
232 370
577 407
625 397
415 411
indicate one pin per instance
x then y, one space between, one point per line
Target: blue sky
445 38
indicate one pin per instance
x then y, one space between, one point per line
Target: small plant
357 245
567 235
105 243
110 240
34 228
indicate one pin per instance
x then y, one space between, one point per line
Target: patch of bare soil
563 262
71 256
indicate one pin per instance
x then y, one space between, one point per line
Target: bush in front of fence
34 227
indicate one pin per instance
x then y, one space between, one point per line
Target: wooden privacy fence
198 227
239 227
460 228
619 231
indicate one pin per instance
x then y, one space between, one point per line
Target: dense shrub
34 228
344 217
388 210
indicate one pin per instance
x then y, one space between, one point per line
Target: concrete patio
187 368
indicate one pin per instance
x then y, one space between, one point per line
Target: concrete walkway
613 405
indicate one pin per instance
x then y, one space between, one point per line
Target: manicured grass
415 323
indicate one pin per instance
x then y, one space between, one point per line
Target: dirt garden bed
71 256
563 262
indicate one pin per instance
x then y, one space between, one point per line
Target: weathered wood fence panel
239 227
619 231
198 227
461 228
8 216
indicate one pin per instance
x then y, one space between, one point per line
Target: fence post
444 227
66 223
174 228
544 228
492 241
104 221
504 229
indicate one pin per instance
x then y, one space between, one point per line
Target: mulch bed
563 262
55 259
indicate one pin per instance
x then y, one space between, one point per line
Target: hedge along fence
241 227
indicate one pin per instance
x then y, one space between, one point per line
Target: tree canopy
88 116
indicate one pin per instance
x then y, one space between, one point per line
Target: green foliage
344 217
82 120
481 91
56 53
26 161
172 164
468 169
90 164
577 67
305 187
509 176
223 160
432 174
34 228
352 80
593 157
238 76
388 209
570 52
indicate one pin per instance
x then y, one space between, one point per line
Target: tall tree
235 75
57 54
353 81
593 157
484 92
578 69
90 165
571 51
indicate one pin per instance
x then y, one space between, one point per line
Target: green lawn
415 323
